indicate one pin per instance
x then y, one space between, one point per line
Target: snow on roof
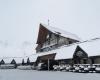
46 53
25 59
65 52
8 60
92 47
62 32
18 60
33 57
0 59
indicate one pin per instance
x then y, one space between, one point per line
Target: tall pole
48 64
48 22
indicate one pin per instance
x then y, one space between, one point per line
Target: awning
46 57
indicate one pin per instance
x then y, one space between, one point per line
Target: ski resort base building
55 46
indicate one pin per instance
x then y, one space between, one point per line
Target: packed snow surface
14 74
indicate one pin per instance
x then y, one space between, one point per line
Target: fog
20 19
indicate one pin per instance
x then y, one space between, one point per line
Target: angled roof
9 59
91 47
18 60
33 57
62 32
66 52
25 59
56 31
2 61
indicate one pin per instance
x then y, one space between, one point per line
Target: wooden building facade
50 39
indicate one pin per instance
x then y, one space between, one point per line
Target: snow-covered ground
45 75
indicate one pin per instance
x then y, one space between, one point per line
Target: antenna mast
48 22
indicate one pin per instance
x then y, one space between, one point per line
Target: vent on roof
95 38
57 32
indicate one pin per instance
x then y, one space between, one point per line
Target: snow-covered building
11 60
50 38
53 44
59 47
64 47
88 52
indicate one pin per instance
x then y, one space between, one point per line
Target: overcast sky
20 19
